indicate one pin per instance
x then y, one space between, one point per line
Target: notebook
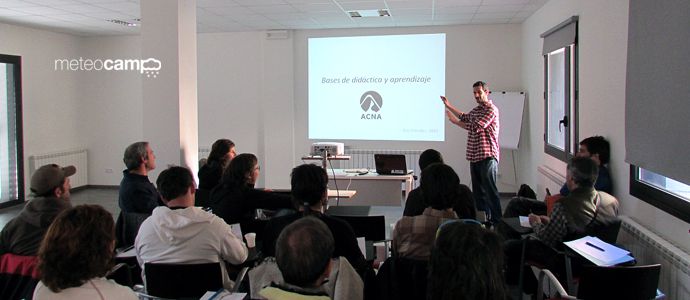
390 164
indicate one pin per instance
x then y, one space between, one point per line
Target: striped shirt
482 127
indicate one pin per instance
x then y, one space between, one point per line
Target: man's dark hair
466 263
440 186
483 84
598 145
174 182
78 246
133 155
308 183
429 156
219 151
584 171
238 171
303 251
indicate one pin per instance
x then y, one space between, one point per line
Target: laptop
390 164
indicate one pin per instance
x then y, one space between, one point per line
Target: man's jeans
484 188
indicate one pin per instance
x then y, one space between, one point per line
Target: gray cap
48 177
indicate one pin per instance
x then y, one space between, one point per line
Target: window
664 193
11 154
560 95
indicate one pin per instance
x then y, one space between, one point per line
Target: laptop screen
390 164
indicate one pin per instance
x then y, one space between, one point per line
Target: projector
333 149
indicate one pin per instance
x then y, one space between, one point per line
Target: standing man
137 193
482 148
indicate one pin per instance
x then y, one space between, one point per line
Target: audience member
236 200
210 174
183 233
415 204
466 263
75 256
51 187
310 196
569 219
303 254
414 236
137 193
598 149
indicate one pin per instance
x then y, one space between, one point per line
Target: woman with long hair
210 174
236 200
466 263
75 255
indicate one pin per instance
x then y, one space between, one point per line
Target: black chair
604 227
202 198
402 278
176 281
122 274
631 283
371 228
127 228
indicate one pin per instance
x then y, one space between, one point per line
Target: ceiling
89 17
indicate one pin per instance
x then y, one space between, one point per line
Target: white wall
50 98
111 107
603 31
488 52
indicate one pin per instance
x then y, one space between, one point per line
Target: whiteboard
510 107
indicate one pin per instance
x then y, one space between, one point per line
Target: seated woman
75 255
222 152
413 236
466 263
236 200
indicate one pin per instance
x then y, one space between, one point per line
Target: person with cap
50 186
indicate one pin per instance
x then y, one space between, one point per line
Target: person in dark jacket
137 193
236 200
310 196
415 204
51 186
210 174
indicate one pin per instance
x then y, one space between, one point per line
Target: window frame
17 62
571 105
657 197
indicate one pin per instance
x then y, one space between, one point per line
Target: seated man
413 237
182 233
23 234
303 254
415 205
569 219
137 193
310 196
597 148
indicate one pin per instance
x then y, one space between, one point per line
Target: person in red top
482 126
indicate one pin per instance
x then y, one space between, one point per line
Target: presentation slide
377 87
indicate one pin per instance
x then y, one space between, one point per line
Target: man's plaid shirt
482 126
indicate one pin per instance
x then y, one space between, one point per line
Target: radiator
364 159
650 248
548 178
77 158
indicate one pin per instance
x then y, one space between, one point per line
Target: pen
594 246
216 294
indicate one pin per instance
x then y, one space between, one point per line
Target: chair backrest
127 228
18 276
637 282
182 280
402 278
202 198
604 227
372 228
